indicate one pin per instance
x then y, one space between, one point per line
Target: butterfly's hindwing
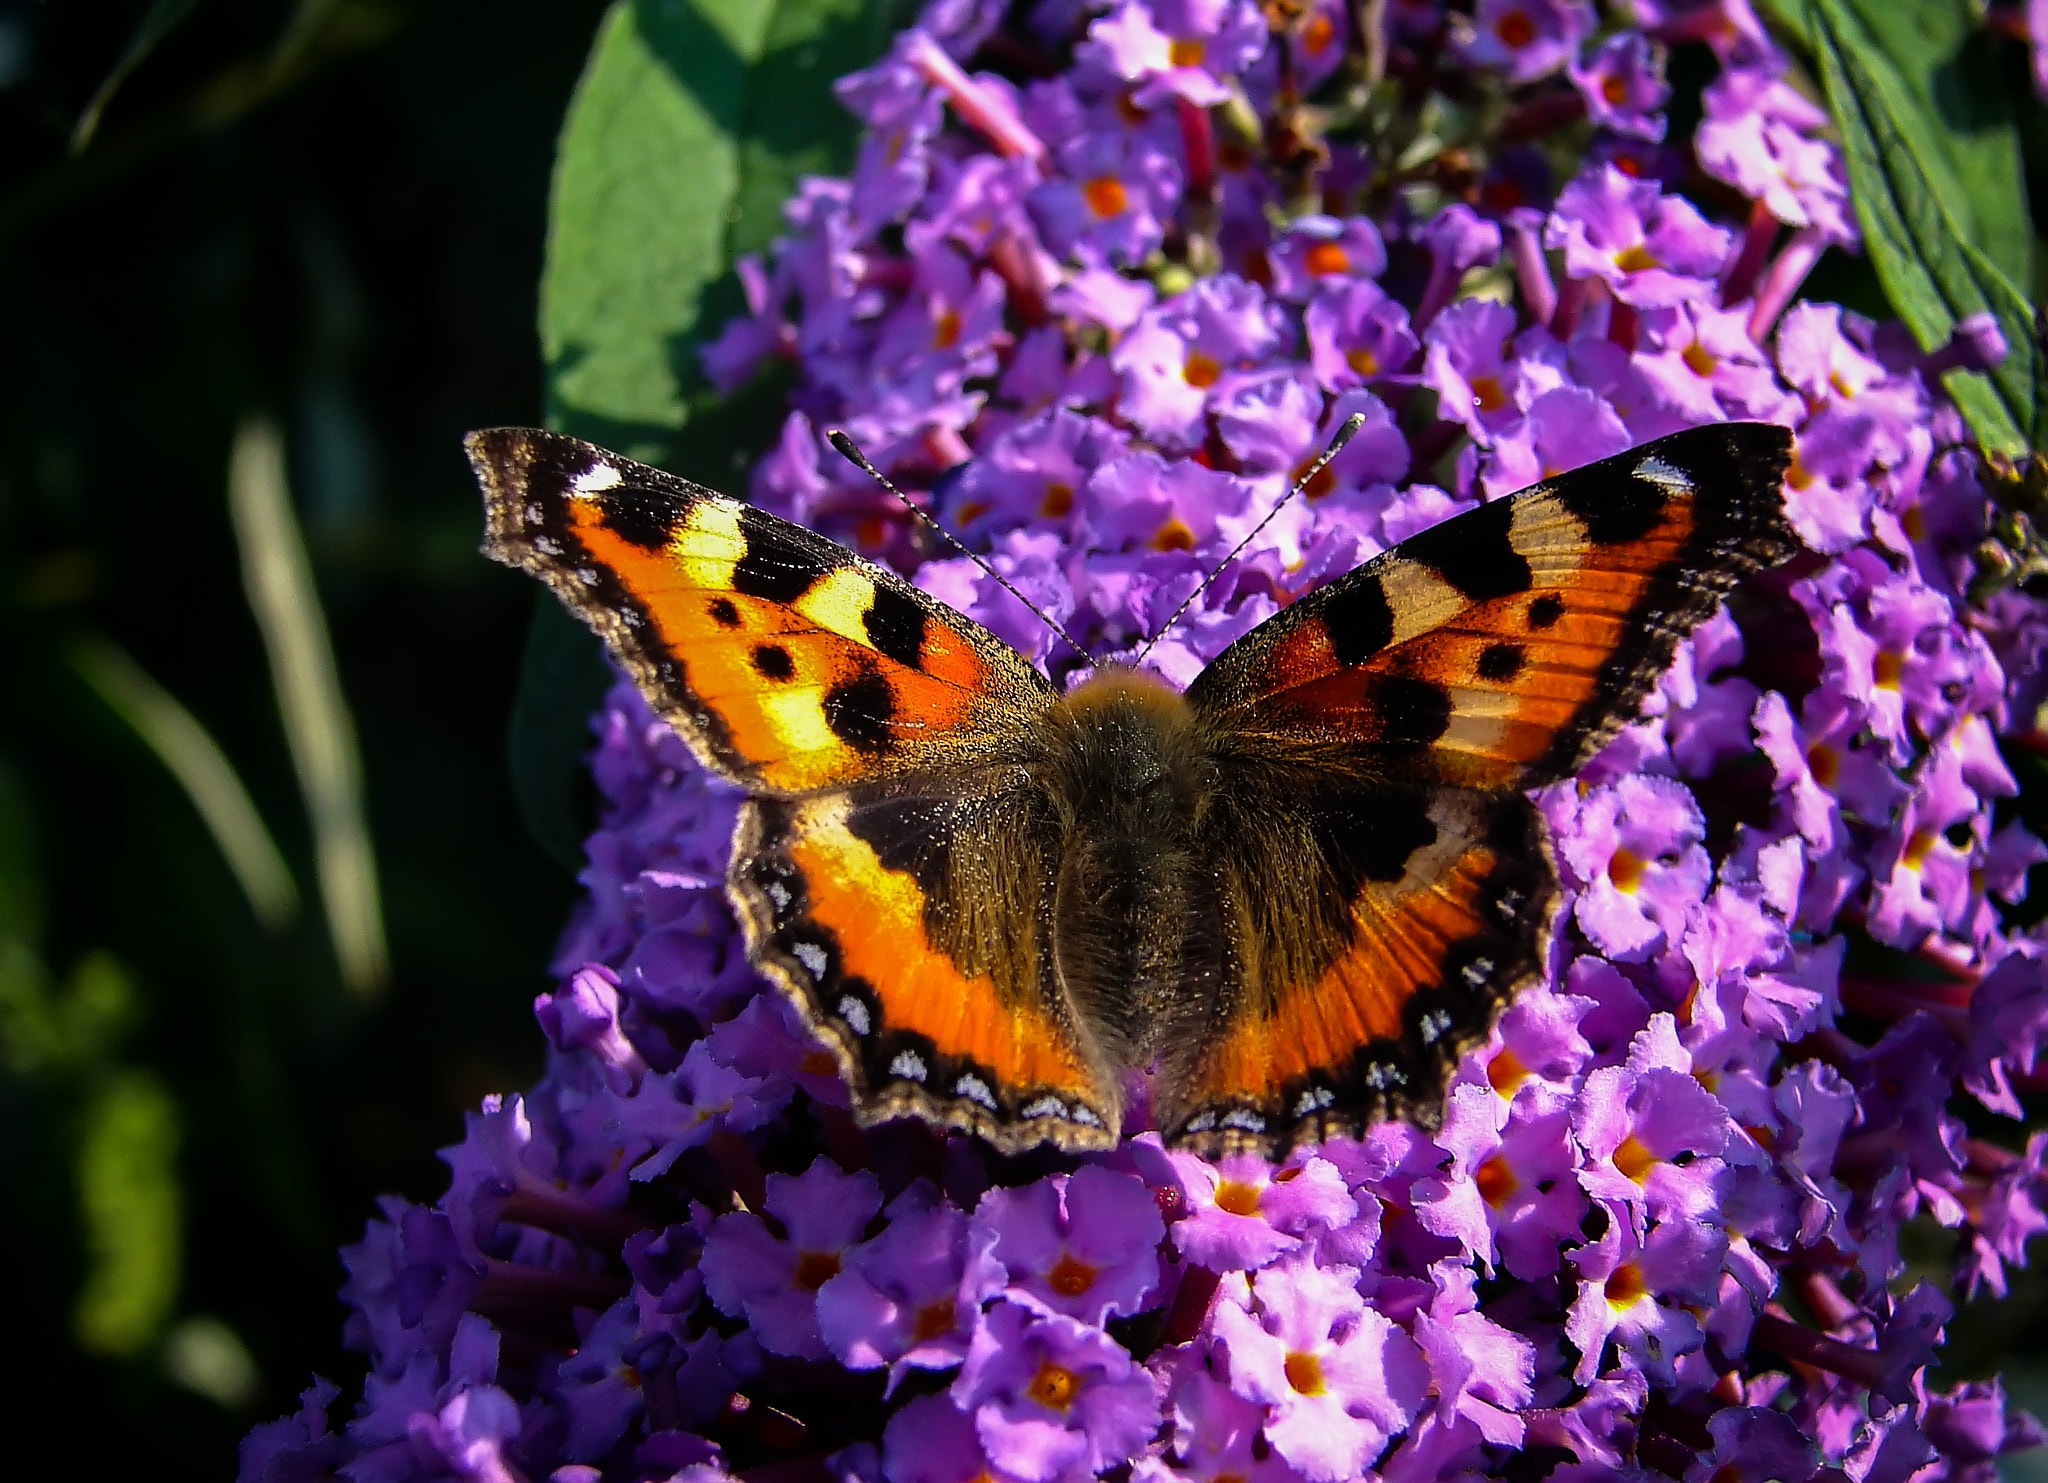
908 928
788 662
1343 1019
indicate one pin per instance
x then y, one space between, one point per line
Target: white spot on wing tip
596 478
909 1065
856 1016
812 957
974 1089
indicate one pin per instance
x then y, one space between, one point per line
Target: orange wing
1388 876
788 662
1504 647
910 927
888 872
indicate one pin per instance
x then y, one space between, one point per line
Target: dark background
333 214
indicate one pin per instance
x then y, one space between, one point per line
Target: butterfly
1295 893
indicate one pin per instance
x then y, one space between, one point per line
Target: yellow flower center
1625 869
1305 1373
1633 1159
1237 1197
1625 1287
1200 370
1053 1387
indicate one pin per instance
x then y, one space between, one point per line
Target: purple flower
1051 1395
772 1280
1317 249
1218 1436
1177 353
1633 846
1177 48
1243 1214
1109 199
907 1299
1651 249
1623 85
1086 1245
1526 38
1357 334
1338 1377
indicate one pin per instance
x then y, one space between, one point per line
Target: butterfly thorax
1128 777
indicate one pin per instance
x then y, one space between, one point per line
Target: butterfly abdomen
1134 910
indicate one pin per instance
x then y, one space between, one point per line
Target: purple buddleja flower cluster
1103 281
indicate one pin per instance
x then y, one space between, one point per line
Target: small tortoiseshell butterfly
1299 891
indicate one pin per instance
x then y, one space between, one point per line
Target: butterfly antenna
1343 435
849 451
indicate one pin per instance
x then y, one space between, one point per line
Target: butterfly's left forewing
1378 735
888 869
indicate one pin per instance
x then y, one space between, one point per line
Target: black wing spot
862 711
643 515
1361 621
1412 713
772 662
1545 611
1501 662
895 625
1614 505
1372 837
774 567
1475 552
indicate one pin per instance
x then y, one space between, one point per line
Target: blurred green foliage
330 214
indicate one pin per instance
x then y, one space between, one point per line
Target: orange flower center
1305 1373
1173 536
818 1062
1614 89
1318 33
1237 1197
1496 1181
1702 361
1625 869
1363 361
1059 499
1505 1072
1917 847
1105 197
934 1321
1635 259
1200 370
1515 29
1824 762
1487 392
946 331
1625 1286
816 1268
1324 481
1185 52
1633 1159
1887 668
1053 1387
1327 257
1070 1278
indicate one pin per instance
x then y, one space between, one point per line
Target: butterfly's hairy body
1128 779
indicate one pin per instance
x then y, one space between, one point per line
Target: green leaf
1942 64
690 128
1930 272
128 1190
